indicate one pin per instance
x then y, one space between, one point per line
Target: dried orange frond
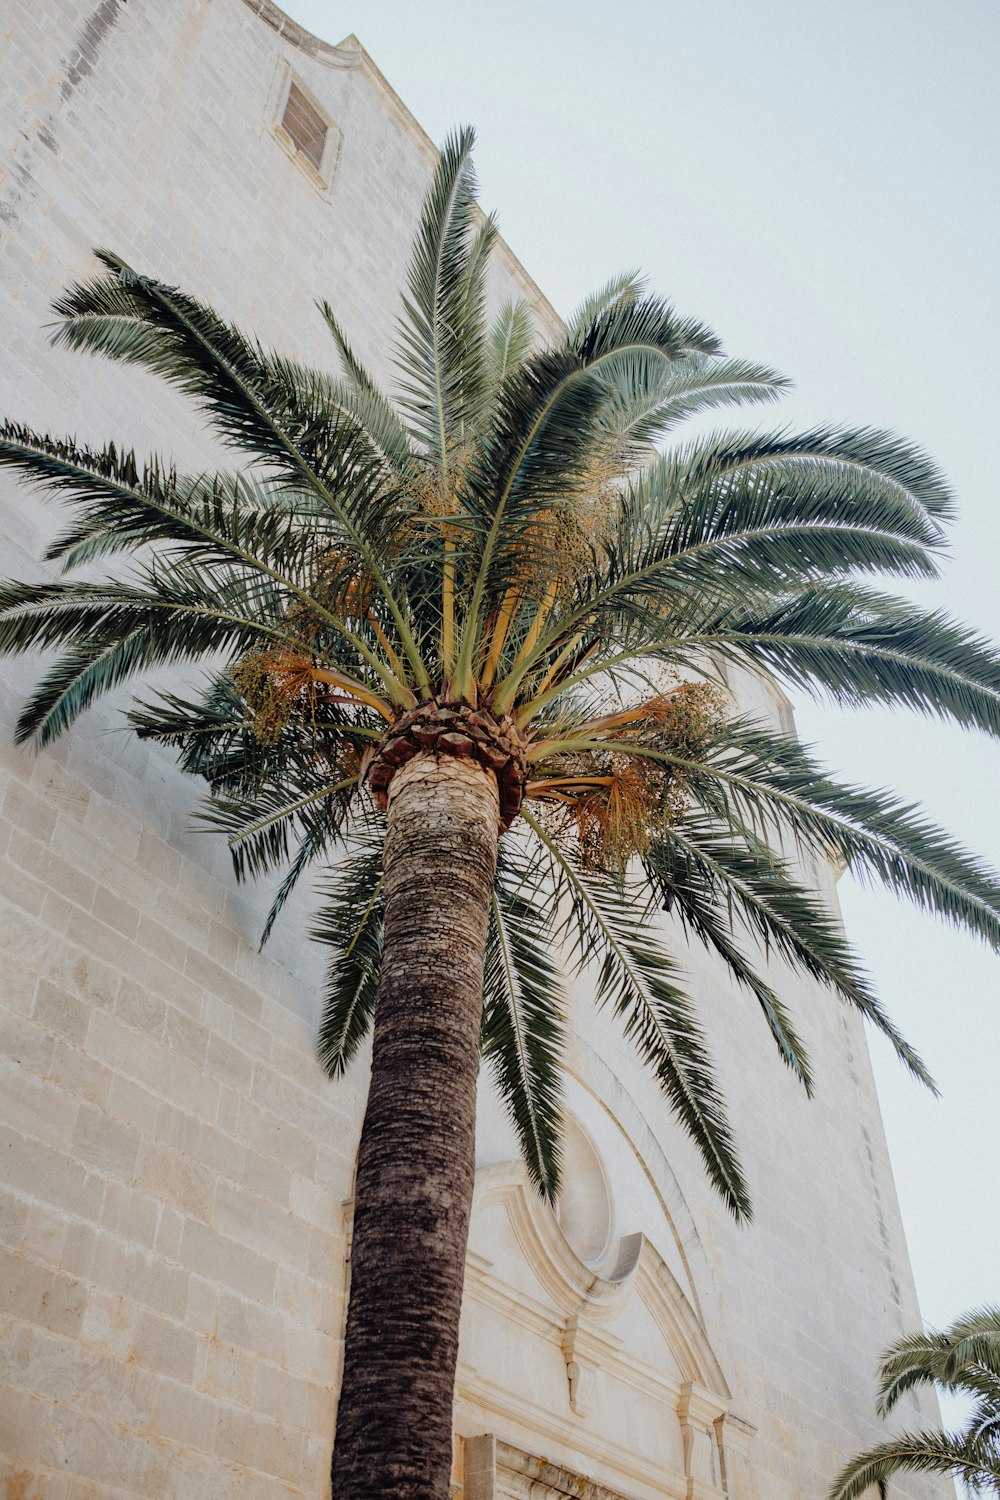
616 800
616 823
681 717
279 683
613 805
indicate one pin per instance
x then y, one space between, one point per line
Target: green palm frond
964 1356
218 740
522 1018
699 564
687 386
976 1464
263 404
696 509
350 924
367 403
604 928
852 461
540 438
676 869
109 633
260 403
442 345
122 504
629 286
858 648
213 733
976 1348
259 542
774 783
697 862
259 833
511 337
710 490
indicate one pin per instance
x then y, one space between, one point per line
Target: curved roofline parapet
349 55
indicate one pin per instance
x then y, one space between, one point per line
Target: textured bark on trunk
416 1161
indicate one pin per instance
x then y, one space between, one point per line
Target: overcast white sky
818 181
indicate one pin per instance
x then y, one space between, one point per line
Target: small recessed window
306 127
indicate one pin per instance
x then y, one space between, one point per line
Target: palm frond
775 784
694 516
859 648
510 341
350 924
851 459
314 805
111 632
629 286
686 386
522 1019
367 403
441 351
280 413
964 1356
929 1452
122 504
260 403
698 861
538 455
705 909
635 975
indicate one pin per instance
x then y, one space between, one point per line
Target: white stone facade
175 1165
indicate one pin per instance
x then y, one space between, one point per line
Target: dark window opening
305 125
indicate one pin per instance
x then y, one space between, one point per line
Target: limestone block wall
173 1164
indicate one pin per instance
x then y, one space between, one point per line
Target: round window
584 1207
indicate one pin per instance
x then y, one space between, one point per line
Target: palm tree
467 650
963 1358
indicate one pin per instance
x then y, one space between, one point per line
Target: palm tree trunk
416 1161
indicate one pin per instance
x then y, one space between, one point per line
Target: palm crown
497 565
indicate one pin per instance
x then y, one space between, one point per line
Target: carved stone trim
305 41
489 1461
698 1412
581 1374
575 1287
735 1437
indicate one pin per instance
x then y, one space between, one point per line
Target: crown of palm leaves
501 537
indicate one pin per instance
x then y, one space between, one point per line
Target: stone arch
621 1333
610 1094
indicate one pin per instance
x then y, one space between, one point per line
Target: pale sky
818 180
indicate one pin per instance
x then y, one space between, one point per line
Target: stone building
177 1170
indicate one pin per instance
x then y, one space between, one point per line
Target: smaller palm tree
964 1358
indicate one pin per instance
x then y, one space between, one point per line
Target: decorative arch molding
580 1311
347 55
610 1094
581 1293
